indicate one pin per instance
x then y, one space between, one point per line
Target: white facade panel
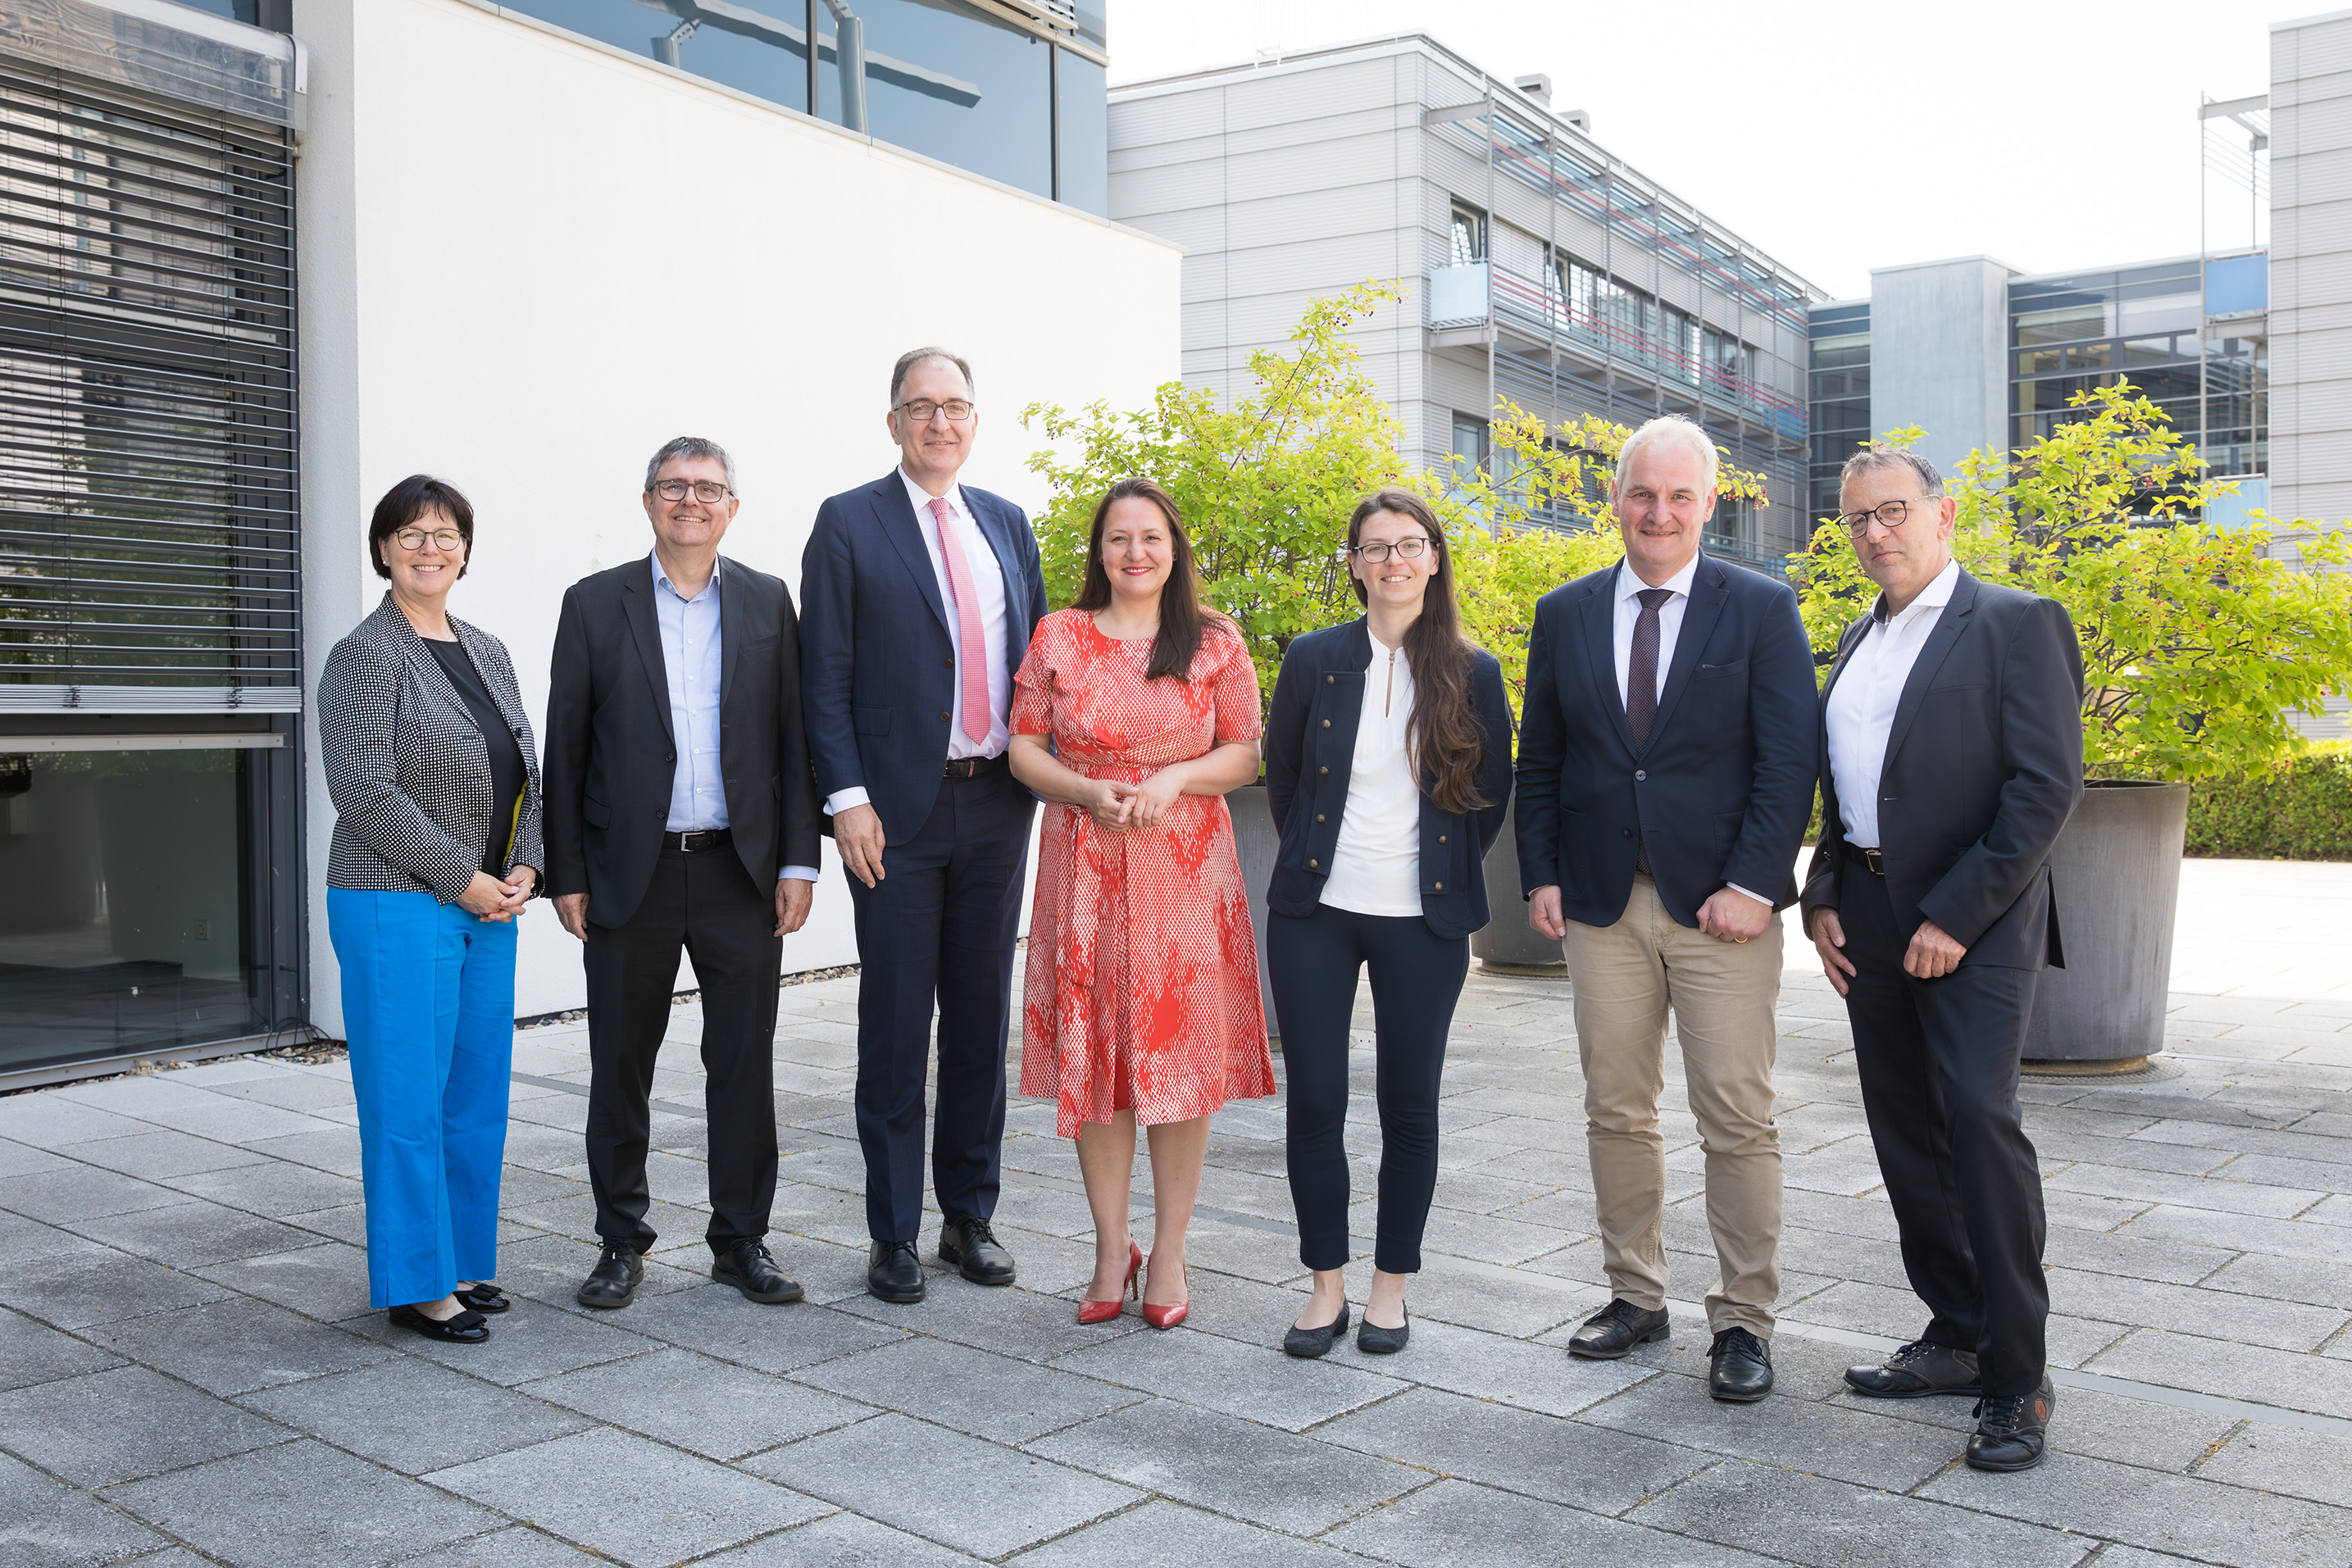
2311 251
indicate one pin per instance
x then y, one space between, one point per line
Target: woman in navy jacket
1387 766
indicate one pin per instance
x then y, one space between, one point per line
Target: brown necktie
1642 690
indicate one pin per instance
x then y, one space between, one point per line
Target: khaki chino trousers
1628 978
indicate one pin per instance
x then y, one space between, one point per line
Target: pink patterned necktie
970 646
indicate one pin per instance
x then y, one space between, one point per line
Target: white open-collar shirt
1862 704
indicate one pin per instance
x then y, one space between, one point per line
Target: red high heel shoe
1094 1312
1161 1317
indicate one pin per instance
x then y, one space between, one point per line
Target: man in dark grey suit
1952 754
681 816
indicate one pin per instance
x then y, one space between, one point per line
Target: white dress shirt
690 643
1670 628
1862 704
1376 862
988 586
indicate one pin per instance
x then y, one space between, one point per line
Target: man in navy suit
1667 761
918 598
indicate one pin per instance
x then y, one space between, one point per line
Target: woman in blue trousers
1388 764
429 761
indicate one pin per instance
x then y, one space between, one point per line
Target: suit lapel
471 639
637 609
1708 595
1599 608
1939 645
896 513
998 532
1832 825
730 628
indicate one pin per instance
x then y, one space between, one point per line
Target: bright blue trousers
428 1006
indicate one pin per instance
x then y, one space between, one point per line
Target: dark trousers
1417 977
938 929
706 906
1938 1061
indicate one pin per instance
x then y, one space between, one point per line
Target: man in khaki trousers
1666 764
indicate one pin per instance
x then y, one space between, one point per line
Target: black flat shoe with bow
464 1328
485 1298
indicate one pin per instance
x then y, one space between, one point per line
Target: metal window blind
149 547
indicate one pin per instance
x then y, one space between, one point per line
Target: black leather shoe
613 1283
468 1328
1374 1340
1742 1373
2013 1429
973 1249
893 1272
485 1298
751 1269
1917 1371
1308 1344
1609 1334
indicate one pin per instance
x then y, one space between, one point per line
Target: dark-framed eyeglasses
1378 551
706 491
413 539
1890 515
920 409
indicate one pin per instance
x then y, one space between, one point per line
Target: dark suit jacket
877 674
1310 747
610 755
1984 765
1721 792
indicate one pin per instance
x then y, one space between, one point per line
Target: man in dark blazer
1667 757
681 816
920 595
1951 755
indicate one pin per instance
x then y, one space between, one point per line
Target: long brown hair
1182 621
1447 744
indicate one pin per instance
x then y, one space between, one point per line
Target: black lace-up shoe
751 1269
614 1280
1613 1331
1742 1373
2012 1429
1917 1371
893 1272
973 1249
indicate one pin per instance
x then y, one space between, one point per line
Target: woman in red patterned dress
1141 1002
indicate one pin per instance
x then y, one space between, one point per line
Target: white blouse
1376 864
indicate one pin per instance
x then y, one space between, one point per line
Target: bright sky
2049 133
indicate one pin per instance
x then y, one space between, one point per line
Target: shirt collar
1630 583
661 578
1935 596
920 498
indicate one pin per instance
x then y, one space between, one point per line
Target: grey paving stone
1015 1322
1165 1535
2089 1421
716 1321
521 1547
118 1425
841 1541
634 1501
162 1155
1294 1484
74 1193
32 1352
2185 1308
1519 1304
413 1416
89 1284
973 1496
346 1224
189 1234
2172 1263
46 1524
332 1149
1518 1450
24 1241
2246 1233
22 1160
1841 1443
527 1341
1258 1383
49 1121
291 1091
970 1390
1897 1314
2315 1465
710 1407
326 1280
1456 1524
550 1268
237 1346
1532 1376
2146 1186
2236 1371
1805 1518
2286 1279
2201 1519
273 1188
277 1520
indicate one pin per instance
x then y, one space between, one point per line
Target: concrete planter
1256 842
1508 945
2116 868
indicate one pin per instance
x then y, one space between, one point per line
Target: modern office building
1543 271
263 258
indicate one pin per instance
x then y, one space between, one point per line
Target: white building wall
528 260
2311 259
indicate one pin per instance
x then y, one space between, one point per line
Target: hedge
2299 811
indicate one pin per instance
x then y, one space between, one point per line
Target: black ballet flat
1374 1340
465 1328
1308 1344
484 1297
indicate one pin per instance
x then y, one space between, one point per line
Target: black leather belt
1871 860
973 767
699 842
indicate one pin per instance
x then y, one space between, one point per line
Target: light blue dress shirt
690 649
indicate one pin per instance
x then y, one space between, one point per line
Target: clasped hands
487 897
1116 804
1728 916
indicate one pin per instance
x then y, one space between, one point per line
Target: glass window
769 62
1085 126
1469 443
2060 324
2145 350
1468 242
2089 356
2161 313
2040 361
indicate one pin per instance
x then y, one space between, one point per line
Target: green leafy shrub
2300 809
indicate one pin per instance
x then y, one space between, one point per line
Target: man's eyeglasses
1378 551
1890 514
705 490
413 539
920 409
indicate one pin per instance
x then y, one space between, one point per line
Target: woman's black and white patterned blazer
406 765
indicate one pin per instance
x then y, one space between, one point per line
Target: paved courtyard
191 1373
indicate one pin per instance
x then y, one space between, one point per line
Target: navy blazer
1310 746
1722 792
1970 800
878 647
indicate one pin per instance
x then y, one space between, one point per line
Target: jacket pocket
594 812
872 720
1720 672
